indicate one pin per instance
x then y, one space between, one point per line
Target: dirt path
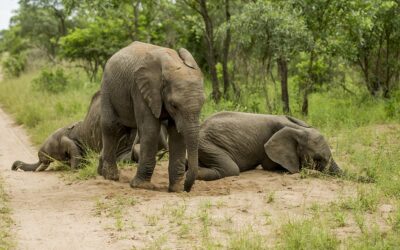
50 213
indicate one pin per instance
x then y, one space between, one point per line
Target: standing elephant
162 145
142 86
69 144
232 142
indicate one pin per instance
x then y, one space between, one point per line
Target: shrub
14 65
53 81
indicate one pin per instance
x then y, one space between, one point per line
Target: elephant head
293 147
57 147
172 83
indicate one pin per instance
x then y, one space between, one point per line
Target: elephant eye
174 106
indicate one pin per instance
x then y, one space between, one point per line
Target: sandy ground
51 212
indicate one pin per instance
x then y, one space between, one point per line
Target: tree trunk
225 54
304 107
283 74
308 84
136 20
209 35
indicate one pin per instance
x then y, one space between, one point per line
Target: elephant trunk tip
16 165
191 176
334 169
24 166
189 181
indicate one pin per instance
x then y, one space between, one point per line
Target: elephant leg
216 164
107 164
135 152
177 160
149 129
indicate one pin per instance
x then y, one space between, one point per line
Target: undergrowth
6 238
363 133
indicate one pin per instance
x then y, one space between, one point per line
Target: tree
43 22
94 44
225 49
321 18
373 42
272 32
201 7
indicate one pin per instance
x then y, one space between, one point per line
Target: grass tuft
247 240
6 238
307 234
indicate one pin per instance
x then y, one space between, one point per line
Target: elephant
144 85
162 144
233 142
69 144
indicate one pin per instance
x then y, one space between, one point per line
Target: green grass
115 207
247 240
307 234
42 112
6 238
363 133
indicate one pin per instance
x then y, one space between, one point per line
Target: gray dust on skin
70 144
48 214
144 85
233 142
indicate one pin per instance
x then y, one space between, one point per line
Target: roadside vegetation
334 64
364 139
6 238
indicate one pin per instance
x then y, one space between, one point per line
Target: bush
14 65
53 81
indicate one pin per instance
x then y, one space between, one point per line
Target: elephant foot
176 187
110 173
139 183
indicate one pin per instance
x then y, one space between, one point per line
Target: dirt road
51 213
48 213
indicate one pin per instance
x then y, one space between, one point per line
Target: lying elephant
232 142
69 144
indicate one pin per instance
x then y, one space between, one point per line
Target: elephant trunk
25 166
191 136
334 169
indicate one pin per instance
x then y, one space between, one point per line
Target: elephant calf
69 144
232 142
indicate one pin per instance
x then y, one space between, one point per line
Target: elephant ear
149 81
69 146
298 122
187 58
282 148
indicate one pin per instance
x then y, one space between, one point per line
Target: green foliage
247 240
373 38
52 81
95 43
272 30
13 65
89 167
44 112
307 234
43 23
6 236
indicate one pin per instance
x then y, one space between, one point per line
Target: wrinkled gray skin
232 142
142 86
162 144
68 144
